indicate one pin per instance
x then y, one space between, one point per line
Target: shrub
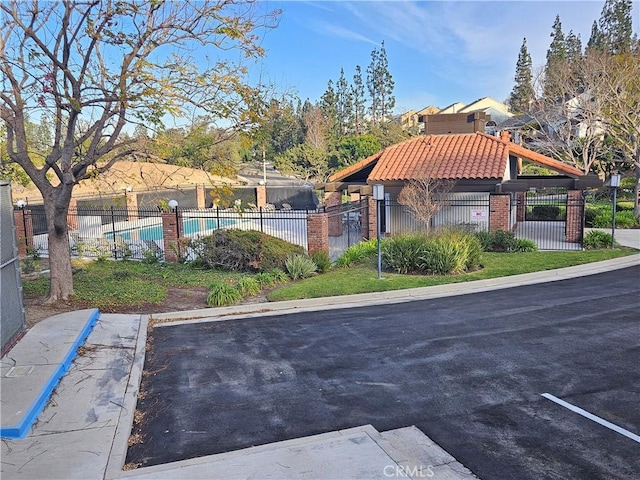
402 253
300 266
444 251
624 219
596 239
239 250
278 275
503 241
248 286
545 212
357 253
265 279
485 239
525 245
222 294
322 261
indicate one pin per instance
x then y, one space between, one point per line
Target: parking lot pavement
468 371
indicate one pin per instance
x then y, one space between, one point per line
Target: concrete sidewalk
84 429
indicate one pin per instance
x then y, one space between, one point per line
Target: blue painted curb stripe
22 428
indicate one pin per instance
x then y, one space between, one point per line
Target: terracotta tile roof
460 156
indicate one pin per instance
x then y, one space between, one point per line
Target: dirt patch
178 299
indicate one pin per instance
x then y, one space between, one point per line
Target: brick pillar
72 215
499 212
521 208
317 233
132 204
332 200
170 225
24 229
575 216
201 197
372 222
261 196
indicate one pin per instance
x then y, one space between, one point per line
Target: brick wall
132 205
575 216
317 233
370 228
201 197
521 206
261 195
333 199
72 215
170 225
499 207
24 229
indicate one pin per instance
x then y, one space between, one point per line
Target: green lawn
364 279
113 285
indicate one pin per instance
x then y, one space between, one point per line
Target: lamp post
378 196
173 205
615 183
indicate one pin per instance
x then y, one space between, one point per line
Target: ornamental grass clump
357 253
300 266
222 294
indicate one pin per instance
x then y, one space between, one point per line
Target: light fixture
21 204
173 204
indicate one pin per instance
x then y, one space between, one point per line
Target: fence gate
345 226
550 218
12 322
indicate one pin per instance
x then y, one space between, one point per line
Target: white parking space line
590 416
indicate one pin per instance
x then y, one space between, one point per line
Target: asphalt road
468 371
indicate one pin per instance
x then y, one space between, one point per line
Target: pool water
190 226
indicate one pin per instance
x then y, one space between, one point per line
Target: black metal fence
468 211
119 232
348 218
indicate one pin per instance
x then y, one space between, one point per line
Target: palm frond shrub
596 239
300 266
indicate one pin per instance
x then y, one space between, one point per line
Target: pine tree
574 48
328 105
387 99
380 85
616 26
596 42
522 94
344 105
373 86
556 58
359 102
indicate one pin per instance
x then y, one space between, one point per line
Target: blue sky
439 52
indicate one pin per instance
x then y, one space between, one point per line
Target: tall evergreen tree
574 48
596 42
373 86
344 105
556 58
328 105
616 26
387 99
380 85
522 94
359 101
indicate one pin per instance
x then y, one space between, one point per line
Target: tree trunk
61 275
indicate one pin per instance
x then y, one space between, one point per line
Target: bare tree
424 197
571 121
98 66
621 98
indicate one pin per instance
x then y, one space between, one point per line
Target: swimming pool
190 226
